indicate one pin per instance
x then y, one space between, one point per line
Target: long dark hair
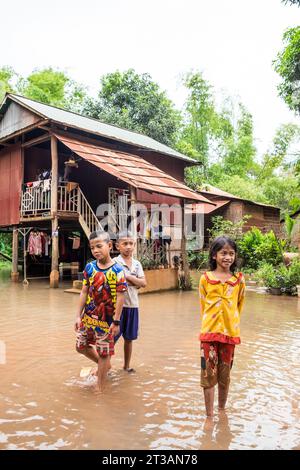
217 245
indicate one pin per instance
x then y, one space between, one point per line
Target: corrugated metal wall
10 185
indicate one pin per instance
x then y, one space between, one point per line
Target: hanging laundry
46 185
35 244
76 243
47 244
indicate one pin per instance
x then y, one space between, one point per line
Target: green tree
7 77
292 2
135 102
285 136
239 150
281 191
287 65
53 87
200 118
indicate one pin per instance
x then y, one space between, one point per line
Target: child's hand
129 278
77 324
114 329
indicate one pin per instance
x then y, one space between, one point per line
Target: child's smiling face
225 257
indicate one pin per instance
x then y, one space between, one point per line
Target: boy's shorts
104 342
216 363
129 325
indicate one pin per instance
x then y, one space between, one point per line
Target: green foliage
53 87
287 65
244 188
7 76
256 248
294 272
149 263
197 259
200 116
220 226
269 276
292 2
285 136
135 102
6 243
289 225
283 277
239 147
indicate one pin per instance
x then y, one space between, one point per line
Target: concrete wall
160 279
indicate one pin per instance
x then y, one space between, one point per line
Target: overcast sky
233 42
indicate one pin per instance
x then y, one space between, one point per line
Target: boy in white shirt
135 279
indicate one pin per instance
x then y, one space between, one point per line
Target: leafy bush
220 226
268 275
256 248
6 243
149 263
283 277
197 259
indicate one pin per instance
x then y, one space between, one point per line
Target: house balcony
36 199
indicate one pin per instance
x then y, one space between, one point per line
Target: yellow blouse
221 307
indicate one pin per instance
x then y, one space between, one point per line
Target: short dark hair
100 234
217 245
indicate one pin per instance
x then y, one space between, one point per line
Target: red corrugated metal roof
205 209
132 169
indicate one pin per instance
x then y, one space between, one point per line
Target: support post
54 276
133 217
15 256
185 265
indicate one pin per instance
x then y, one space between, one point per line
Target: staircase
36 202
87 217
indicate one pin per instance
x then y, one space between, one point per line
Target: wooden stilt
54 276
185 265
15 254
133 217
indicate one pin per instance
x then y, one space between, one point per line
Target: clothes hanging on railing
46 185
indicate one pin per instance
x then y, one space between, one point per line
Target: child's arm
82 301
114 329
241 298
136 281
202 294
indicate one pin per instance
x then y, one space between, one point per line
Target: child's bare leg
90 353
127 353
209 394
222 395
103 368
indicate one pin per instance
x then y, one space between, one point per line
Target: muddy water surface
45 405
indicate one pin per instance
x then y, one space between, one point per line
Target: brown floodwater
44 404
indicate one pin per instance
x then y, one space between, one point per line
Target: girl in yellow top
222 291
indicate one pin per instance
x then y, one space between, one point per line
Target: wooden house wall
11 173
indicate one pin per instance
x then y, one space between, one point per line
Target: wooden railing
87 217
37 202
